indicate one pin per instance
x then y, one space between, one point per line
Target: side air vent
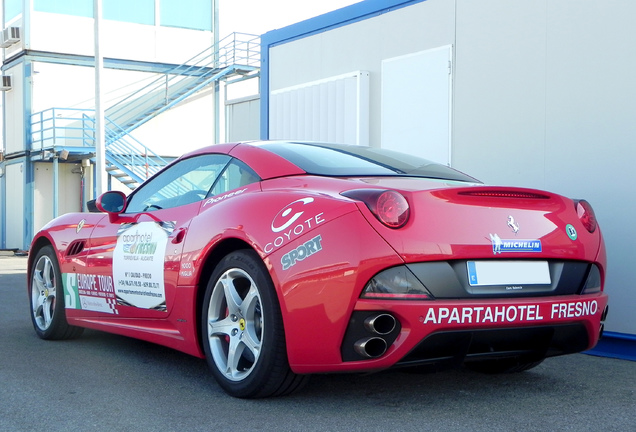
75 248
494 193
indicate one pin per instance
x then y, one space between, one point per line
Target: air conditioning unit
6 83
10 36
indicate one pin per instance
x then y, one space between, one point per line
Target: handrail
137 157
55 124
68 127
236 49
236 53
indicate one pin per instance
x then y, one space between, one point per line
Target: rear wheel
502 366
244 338
47 298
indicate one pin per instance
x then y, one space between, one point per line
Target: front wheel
244 338
47 298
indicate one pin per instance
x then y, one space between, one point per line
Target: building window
189 14
83 8
137 12
12 8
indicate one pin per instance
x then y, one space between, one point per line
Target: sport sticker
301 252
138 264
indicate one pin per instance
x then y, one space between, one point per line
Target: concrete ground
103 382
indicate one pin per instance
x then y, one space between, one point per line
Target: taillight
388 206
396 283
586 215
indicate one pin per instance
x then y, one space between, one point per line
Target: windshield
338 160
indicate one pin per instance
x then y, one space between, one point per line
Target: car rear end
502 277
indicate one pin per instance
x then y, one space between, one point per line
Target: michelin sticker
500 245
138 261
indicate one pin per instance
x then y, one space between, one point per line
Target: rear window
338 160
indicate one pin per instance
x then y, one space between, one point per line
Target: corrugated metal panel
335 109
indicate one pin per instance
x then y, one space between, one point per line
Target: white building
538 94
160 95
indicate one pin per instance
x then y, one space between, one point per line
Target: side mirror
111 202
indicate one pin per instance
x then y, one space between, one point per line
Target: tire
46 297
501 366
242 328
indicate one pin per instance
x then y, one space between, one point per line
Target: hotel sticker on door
138 264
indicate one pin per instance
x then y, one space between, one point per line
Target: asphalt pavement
103 382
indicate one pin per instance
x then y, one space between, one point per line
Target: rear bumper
453 331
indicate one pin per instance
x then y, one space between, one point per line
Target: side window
237 174
183 183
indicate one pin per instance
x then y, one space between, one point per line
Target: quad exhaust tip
381 324
371 347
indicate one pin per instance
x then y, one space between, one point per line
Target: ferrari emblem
513 225
242 324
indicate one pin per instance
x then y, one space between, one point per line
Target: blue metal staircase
235 58
237 55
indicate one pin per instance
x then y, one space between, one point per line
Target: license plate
501 272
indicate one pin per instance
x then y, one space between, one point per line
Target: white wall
363 45
68 191
242 119
75 35
14 121
62 85
68 86
14 216
543 96
188 126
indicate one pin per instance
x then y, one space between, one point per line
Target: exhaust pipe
381 324
371 347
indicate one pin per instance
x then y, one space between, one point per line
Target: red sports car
277 260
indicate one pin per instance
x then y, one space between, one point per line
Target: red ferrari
277 260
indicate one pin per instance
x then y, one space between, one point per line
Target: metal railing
66 128
60 127
131 156
237 52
